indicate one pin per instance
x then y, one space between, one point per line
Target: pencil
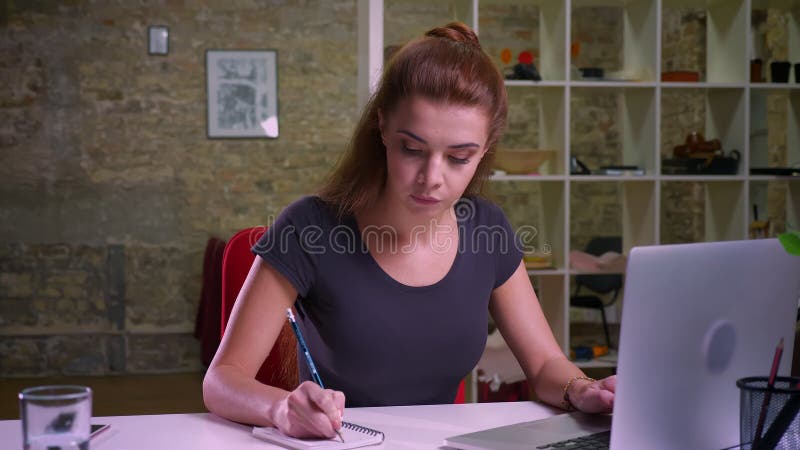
307 354
776 362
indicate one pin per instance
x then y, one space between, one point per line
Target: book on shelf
618 171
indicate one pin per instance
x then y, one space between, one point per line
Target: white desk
406 427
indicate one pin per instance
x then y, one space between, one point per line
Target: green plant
791 242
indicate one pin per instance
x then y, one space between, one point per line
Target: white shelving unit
735 113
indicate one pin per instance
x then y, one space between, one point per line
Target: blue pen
304 348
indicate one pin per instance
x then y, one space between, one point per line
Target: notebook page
355 436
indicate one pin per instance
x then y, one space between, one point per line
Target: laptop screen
695 318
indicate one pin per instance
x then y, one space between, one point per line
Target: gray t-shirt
375 339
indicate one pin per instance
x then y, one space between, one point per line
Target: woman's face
432 152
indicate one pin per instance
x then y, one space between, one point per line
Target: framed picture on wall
242 92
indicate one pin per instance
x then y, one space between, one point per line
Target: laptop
696 318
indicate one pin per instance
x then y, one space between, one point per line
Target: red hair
446 65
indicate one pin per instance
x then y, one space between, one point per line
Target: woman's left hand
595 397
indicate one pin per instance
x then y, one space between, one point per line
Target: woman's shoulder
310 209
305 203
478 210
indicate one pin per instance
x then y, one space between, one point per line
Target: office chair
280 367
598 284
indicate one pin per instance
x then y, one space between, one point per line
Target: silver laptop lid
697 317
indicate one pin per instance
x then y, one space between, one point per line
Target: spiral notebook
355 436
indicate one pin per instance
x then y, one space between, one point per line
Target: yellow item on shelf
759 229
538 261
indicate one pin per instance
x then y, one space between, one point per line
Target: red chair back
460 395
280 367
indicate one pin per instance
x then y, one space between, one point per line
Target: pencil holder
779 406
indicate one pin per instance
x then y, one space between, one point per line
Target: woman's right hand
310 411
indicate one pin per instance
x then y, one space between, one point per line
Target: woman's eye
459 160
412 151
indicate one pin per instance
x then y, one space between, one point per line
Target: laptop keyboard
593 441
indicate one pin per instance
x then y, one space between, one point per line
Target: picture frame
158 40
242 93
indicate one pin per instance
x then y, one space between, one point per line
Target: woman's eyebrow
465 145
456 146
412 136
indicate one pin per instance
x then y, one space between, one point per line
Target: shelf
586 178
547 16
527 177
613 84
527 83
781 18
596 364
777 200
600 3
573 272
537 119
630 113
703 178
634 38
726 31
608 361
634 178
716 113
678 4
775 4
610 122
774 128
723 216
774 178
702 85
544 272
775 86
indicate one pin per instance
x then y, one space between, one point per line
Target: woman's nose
431 173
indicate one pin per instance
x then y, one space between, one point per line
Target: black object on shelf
619 167
779 71
620 170
777 171
718 165
577 167
523 71
591 73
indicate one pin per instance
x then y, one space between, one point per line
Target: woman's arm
230 389
519 317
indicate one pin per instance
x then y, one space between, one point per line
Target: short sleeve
289 245
507 251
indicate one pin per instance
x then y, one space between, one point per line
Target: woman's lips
425 200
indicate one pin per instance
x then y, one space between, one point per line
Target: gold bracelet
566 404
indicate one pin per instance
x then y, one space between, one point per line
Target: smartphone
98 428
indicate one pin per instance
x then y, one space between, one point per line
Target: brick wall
109 187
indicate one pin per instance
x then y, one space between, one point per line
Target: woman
395 266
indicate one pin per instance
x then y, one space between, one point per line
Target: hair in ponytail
447 65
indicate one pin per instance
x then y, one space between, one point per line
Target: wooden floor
119 395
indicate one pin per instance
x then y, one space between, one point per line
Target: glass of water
55 417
